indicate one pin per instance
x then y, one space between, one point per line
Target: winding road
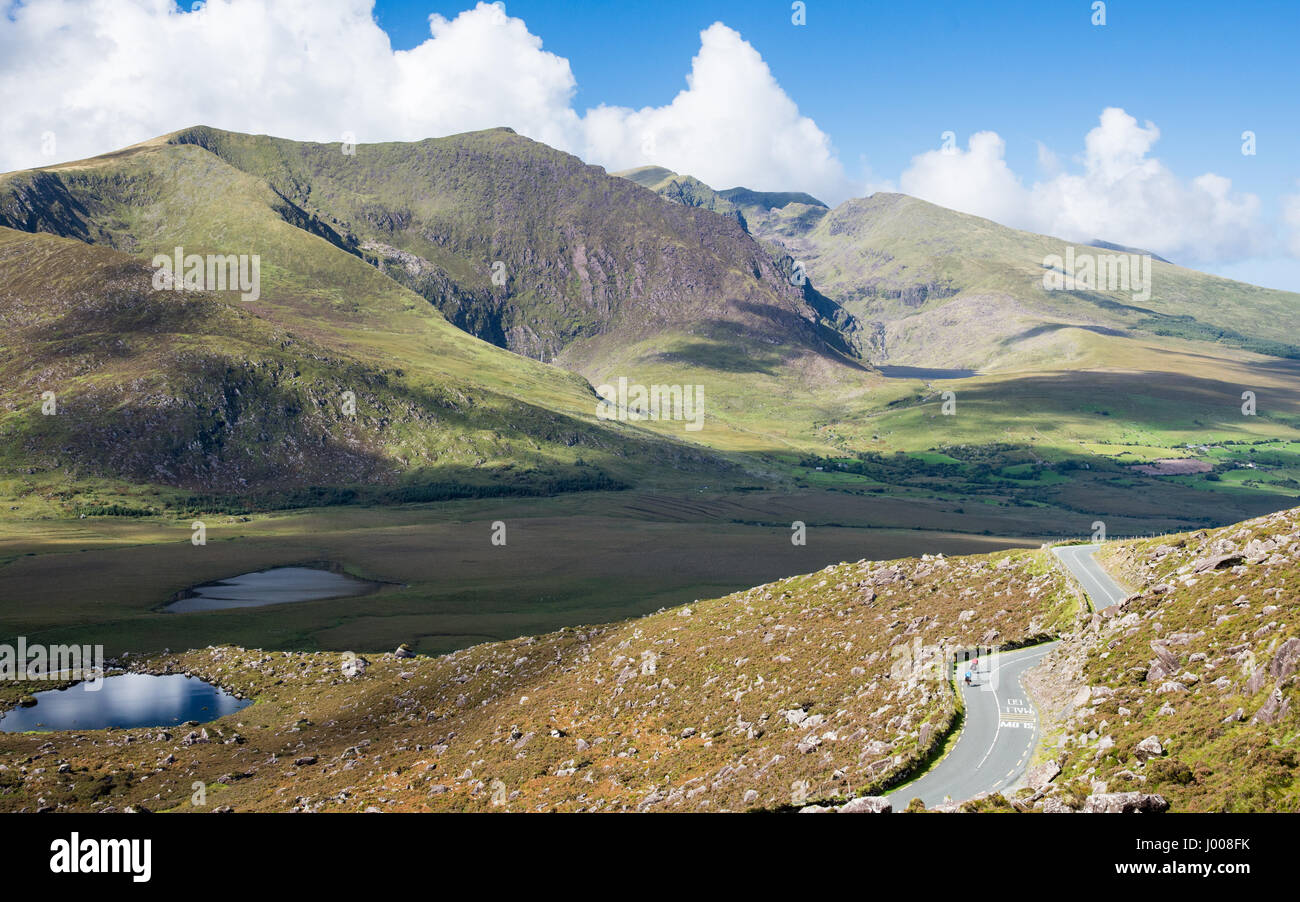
997 739
1000 732
1102 590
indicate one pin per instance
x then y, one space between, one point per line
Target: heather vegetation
886 383
812 688
1188 688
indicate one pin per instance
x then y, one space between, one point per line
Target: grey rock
1043 774
1273 710
1125 803
867 805
1217 562
1148 748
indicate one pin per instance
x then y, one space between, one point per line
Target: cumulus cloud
81 77
1291 216
976 180
732 125
1123 194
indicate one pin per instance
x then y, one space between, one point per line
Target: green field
589 558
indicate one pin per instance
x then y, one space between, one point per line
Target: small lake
923 372
125 701
279 585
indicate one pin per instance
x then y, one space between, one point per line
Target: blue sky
884 80
1130 131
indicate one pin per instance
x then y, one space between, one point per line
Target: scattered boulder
1125 803
1217 562
886 575
1274 709
1148 748
1286 660
867 805
808 743
1043 774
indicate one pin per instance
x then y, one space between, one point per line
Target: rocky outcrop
1125 803
867 805
1039 777
862 805
1148 748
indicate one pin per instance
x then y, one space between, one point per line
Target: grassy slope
1085 379
592 263
754 700
599 272
1206 662
932 276
451 409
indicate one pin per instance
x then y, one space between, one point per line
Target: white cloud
1123 194
1291 216
101 74
976 180
732 125
95 75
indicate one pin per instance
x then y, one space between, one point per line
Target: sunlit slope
201 392
596 274
933 287
534 250
1188 687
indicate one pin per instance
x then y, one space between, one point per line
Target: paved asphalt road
1001 730
1103 590
997 739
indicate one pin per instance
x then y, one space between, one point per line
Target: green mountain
204 392
489 282
935 288
742 203
520 245
1072 382
587 264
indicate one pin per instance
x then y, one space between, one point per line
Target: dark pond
279 585
922 372
125 701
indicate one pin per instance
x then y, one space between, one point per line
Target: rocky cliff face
533 250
